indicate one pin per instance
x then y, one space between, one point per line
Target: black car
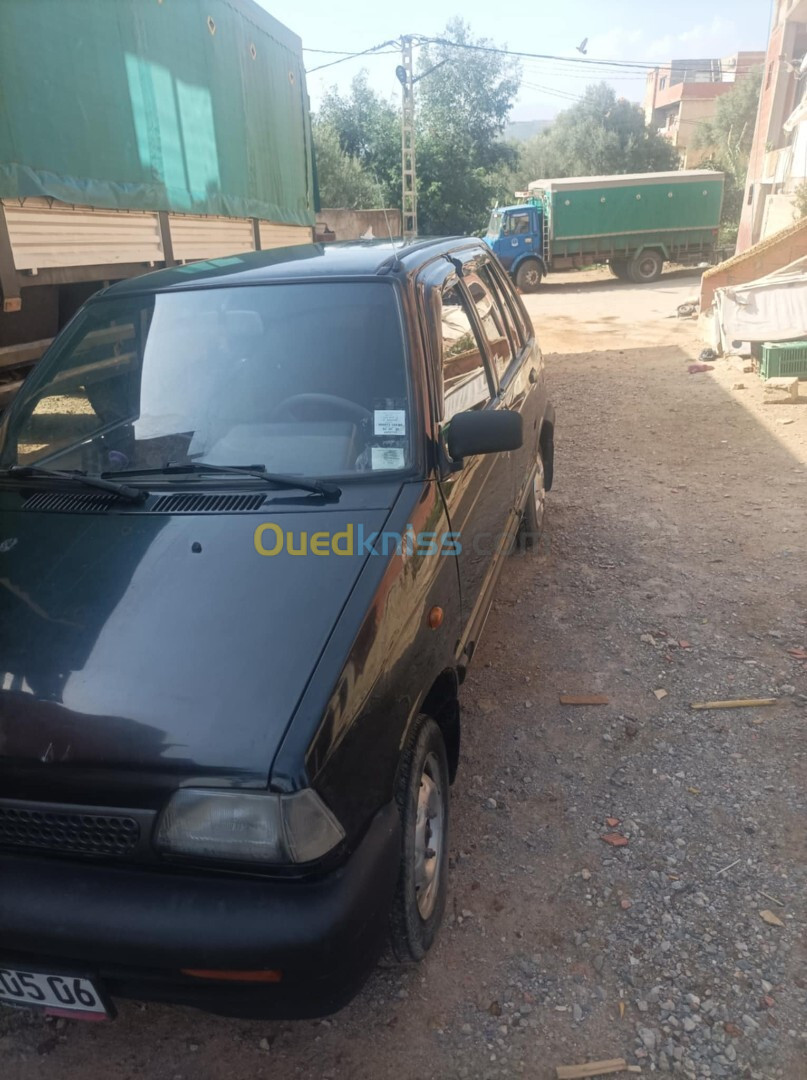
252 513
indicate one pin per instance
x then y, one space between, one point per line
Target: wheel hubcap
429 837
539 493
647 267
533 277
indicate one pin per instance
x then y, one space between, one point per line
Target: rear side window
465 380
510 300
491 317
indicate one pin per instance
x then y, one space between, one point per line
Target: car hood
154 643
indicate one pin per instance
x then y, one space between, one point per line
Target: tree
730 133
729 136
599 135
369 131
342 179
462 108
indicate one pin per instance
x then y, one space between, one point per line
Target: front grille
71 833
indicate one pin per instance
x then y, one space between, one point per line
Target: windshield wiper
316 487
123 491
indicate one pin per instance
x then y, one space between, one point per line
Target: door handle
533 376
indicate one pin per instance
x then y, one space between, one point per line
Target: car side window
516 224
465 379
491 317
514 329
513 306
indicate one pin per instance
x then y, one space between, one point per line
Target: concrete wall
780 213
353 224
763 258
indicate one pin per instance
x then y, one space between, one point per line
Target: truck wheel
532 521
619 268
422 797
646 267
528 275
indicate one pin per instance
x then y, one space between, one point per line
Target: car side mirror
488 432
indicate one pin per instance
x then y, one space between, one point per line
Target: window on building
662 83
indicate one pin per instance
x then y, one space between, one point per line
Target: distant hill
520 130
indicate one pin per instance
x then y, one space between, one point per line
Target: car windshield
306 378
494 225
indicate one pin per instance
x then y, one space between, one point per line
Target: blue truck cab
516 235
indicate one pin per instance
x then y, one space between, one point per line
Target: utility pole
409 199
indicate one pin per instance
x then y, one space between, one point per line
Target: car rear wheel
528 275
422 797
646 267
532 523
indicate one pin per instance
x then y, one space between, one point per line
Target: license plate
73 996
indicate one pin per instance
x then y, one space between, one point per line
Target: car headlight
248 827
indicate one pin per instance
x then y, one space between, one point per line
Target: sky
643 31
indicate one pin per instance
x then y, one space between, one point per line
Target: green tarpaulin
192 106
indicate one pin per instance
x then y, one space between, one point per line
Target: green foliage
462 162
599 135
343 182
369 130
729 135
462 108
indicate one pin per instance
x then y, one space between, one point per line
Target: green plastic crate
784 358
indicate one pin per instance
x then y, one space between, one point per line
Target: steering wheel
292 407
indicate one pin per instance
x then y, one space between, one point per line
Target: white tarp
773 308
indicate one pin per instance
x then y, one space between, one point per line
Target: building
683 93
778 161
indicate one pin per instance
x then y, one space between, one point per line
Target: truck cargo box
585 208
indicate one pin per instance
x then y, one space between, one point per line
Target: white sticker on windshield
389 422
386 457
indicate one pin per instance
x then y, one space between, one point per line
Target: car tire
422 798
619 268
532 520
528 275
646 267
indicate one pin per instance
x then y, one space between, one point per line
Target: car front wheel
422 797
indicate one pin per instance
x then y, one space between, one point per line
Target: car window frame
514 330
522 320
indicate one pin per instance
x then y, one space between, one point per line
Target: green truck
137 134
634 222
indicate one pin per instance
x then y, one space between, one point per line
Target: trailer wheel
528 275
619 268
646 267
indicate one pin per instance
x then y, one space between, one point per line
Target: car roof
369 258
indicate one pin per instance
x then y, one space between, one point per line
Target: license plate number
59 995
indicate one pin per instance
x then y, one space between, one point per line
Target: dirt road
673 571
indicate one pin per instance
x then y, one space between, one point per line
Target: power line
350 56
567 64
627 65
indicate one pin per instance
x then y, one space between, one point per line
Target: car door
519 237
479 494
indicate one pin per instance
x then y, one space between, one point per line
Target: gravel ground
672 571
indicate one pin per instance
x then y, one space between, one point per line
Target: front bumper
135 929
